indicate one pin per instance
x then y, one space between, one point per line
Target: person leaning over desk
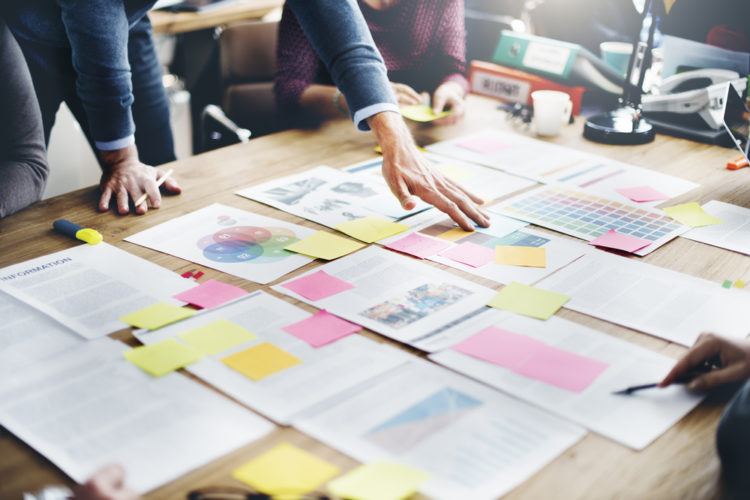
733 433
423 44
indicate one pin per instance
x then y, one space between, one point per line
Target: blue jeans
55 82
733 444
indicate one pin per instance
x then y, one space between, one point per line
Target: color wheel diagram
259 245
405 430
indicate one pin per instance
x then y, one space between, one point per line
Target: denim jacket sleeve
339 33
97 31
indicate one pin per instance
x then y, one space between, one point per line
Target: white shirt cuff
361 115
116 144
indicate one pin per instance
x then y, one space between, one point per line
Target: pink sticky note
482 145
642 193
470 254
500 347
418 245
562 369
321 328
318 285
210 294
619 241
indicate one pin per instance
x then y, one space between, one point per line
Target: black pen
706 366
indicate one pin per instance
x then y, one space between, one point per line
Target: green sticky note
727 284
162 357
369 229
260 361
285 470
157 315
378 481
529 301
324 245
421 113
691 214
217 337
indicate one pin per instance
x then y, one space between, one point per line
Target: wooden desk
170 23
680 464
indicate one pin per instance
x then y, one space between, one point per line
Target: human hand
405 95
408 174
126 177
108 483
449 95
734 356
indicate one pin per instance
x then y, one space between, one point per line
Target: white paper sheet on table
90 407
654 300
27 335
733 233
230 240
88 287
475 441
395 295
487 183
324 371
329 196
634 420
550 163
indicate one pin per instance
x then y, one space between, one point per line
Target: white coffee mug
552 109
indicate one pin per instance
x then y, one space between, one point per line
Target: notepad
470 254
691 214
510 255
379 481
210 294
321 328
418 245
155 316
529 301
318 285
285 469
217 336
162 357
370 229
260 361
618 241
324 245
422 113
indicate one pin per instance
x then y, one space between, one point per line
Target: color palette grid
588 216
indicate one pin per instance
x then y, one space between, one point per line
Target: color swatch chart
588 216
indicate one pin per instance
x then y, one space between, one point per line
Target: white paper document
664 303
322 372
230 240
391 294
27 335
329 196
634 420
550 163
487 183
90 407
733 233
476 442
88 287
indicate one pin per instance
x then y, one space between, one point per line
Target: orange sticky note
521 256
260 361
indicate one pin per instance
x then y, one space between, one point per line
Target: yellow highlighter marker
90 236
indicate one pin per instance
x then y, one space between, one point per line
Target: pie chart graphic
254 244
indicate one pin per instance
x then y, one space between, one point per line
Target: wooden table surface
169 23
682 463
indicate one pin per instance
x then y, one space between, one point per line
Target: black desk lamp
626 125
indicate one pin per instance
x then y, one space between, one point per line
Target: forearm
22 184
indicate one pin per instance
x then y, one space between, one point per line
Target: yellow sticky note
157 315
285 469
739 284
324 245
421 113
454 234
521 256
691 214
379 481
162 357
529 301
369 229
455 173
217 336
668 5
260 361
